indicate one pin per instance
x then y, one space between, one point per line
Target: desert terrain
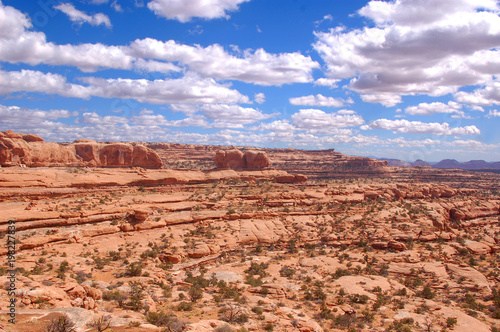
171 237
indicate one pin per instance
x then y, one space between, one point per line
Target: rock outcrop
236 159
403 191
32 151
15 150
475 210
291 178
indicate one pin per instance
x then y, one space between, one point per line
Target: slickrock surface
232 250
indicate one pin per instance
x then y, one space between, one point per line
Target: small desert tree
61 324
101 323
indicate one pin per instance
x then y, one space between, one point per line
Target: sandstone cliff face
236 159
32 151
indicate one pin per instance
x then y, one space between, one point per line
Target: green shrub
257 269
134 269
287 272
185 306
162 319
360 299
195 293
257 310
427 293
451 321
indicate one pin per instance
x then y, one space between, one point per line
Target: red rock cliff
31 150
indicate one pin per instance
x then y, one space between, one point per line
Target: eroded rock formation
31 150
236 159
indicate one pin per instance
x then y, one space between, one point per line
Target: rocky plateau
171 237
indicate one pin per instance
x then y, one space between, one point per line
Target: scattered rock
141 215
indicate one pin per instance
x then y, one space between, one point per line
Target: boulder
201 249
78 302
300 178
398 246
371 195
92 292
435 192
141 215
448 192
172 258
379 245
74 291
89 303
51 294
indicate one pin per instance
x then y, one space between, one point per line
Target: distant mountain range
446 163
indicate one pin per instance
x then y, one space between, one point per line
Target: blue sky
373 78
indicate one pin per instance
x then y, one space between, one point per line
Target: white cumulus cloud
189 89
317 100
436 107
413 49
493 114
485 96
275 126
232 116
417 127
328 82
184 11
80 17
258 67
19 44
309 119
260 98
36 81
